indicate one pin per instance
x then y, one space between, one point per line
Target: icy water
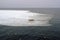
34 32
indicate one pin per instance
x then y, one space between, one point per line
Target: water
23 18
34 32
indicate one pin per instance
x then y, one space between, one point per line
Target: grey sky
29 3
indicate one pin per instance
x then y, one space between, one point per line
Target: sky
29 3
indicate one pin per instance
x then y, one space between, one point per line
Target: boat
24 18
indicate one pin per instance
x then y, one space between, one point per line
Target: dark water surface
30 33
33 32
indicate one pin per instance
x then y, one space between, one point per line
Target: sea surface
33 32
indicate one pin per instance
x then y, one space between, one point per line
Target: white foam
21 18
